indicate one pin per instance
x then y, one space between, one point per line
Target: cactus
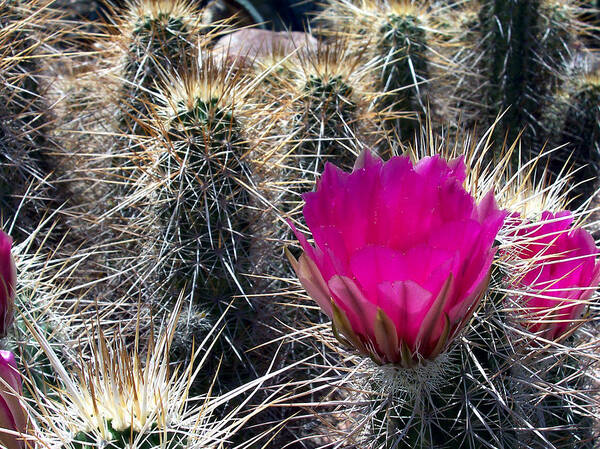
203 206
126 399
528 45
401 44
572 124
159 36
194 199
25 168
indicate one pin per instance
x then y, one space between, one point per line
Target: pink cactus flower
561 275
403 254
12 414
8 276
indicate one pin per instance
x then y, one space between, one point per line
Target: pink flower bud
8 276
13 418
402 257
561 272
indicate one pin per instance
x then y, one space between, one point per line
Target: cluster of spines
528 46
192 197
399 40
327 109
159 37
25 168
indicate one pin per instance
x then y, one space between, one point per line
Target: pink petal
351 300
314 284
407 304
366 160
432 325
437 169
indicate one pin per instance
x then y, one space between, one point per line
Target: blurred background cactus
152 153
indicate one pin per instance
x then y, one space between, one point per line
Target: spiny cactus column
399 44
402 46
159 36
205 214
25 189
327 108
114 399
527 46
202 204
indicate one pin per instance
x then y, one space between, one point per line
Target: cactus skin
402 47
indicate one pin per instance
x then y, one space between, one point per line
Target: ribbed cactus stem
510 24
528 44
402 47
327 120
204 214
160 39
205 219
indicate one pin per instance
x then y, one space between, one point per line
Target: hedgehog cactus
403 47
194 202
160 36
528 46
116 399
203 205
400 49
329 107
332 119
499 380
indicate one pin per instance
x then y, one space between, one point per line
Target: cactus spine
25 168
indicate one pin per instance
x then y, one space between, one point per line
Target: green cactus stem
404 69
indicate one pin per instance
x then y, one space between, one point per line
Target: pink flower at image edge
12 414
563 275
402 254
8 276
